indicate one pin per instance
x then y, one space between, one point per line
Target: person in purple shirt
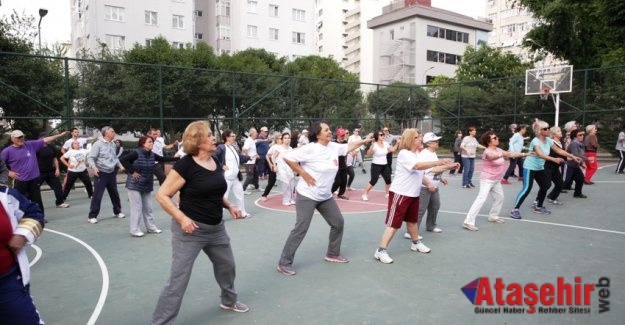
21 159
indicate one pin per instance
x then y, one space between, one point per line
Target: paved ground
98 274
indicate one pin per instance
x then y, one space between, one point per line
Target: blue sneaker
515 214
541 210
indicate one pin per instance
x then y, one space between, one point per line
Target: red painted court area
377 203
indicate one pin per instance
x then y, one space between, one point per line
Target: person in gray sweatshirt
105 164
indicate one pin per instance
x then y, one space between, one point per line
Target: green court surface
99 274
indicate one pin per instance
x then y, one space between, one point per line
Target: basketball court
98 274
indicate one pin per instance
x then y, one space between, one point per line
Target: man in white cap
21 159
303 138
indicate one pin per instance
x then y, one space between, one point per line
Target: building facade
510 24
413 41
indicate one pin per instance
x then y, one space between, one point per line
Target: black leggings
376 171
528 180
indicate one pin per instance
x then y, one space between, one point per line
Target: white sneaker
292 202
93 220
407 236
365 197
496 220
120 215
63 205
420 247
137 234
247 192
470 227
383 257
263 198
437 230
154 231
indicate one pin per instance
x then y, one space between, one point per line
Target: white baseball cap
430 136
17 134
264 129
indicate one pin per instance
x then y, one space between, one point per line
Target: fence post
68 98
161 98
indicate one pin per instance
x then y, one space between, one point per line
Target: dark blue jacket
142 162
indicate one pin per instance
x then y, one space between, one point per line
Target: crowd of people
314 167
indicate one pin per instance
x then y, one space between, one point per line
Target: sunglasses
545 129
494 138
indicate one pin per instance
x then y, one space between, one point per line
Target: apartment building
413 41
285 28
510 24
342 33
120 24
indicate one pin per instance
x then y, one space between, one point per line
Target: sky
55 26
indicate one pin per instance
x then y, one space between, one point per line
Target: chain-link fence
39 91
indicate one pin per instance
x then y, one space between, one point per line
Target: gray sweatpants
430 202
304 209
215 243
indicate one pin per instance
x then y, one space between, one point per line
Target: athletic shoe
263 198
383 257
541 210
292 202
581 196
287 204
515 214
364 171
420 247
246 216
154 231
247 192
93 220
286 270
336 259
63 205
238 307
365 197
350 189
505 181
466 186
589 183
534 204
137 234
470 227
437 230
120 215
471 184
496 220
343 197
555 202
407 236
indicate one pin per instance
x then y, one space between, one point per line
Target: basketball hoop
544 93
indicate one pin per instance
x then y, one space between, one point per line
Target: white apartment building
342 33
413 42
285 28
120 24
510 24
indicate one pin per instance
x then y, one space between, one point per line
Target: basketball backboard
558 79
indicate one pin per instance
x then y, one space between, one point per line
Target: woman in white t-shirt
316 163
76 161
284 173
403 202
378 150
232 158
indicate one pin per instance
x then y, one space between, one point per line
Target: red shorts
401 208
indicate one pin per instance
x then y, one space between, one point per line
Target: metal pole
42 13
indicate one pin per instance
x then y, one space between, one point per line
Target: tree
399 105
33 88
586 33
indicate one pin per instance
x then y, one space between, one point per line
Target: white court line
37 255
545 223
105 275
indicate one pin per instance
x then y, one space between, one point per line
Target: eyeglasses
494 138
545 129
381 134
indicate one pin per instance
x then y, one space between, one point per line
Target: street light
42 13
424 72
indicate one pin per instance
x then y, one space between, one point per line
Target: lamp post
42 13
424 72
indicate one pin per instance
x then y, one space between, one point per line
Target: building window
178 45
115 42
223 32
273 34
177 21
273 10
320 12
252 31
448 34
432 31
320 36
114 13
299 15
199 35
441 57
223 8
252 6
299 38
392 34
151 18
199 13
148 42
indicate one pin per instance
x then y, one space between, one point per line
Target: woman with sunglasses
379 149
493 168
534 169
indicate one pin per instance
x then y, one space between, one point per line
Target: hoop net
544 93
